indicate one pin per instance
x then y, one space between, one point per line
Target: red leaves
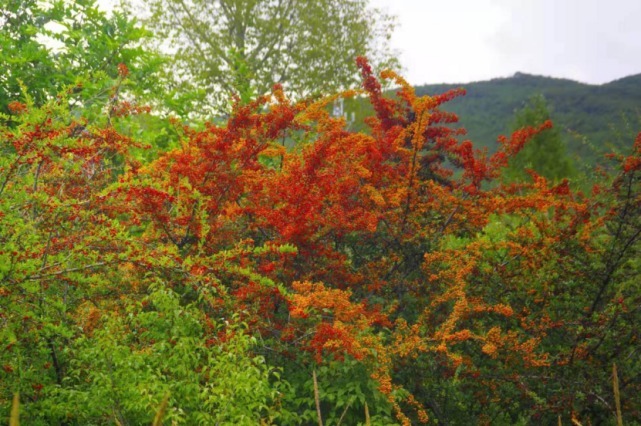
123 71
125 108
335 341
519 138
384 107
633 162
17 107
151 201
449 95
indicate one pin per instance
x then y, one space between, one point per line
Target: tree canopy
246 46
47 46
546 154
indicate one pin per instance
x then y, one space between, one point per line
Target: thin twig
82 268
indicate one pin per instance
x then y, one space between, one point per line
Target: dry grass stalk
575 421
161 411
617 396
317 398
14 420
367 420
344 412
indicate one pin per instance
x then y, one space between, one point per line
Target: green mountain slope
594 119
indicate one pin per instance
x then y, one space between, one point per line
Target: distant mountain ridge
594 119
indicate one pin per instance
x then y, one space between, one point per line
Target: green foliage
67 341
52 45
211 379
545 153
344 388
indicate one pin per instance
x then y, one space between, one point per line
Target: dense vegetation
278 267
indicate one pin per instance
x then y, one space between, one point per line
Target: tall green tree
50 49
546 154
49 45
245 46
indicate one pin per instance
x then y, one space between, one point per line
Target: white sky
459 41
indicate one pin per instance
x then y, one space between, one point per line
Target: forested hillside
594 119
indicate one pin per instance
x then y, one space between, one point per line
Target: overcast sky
459 41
